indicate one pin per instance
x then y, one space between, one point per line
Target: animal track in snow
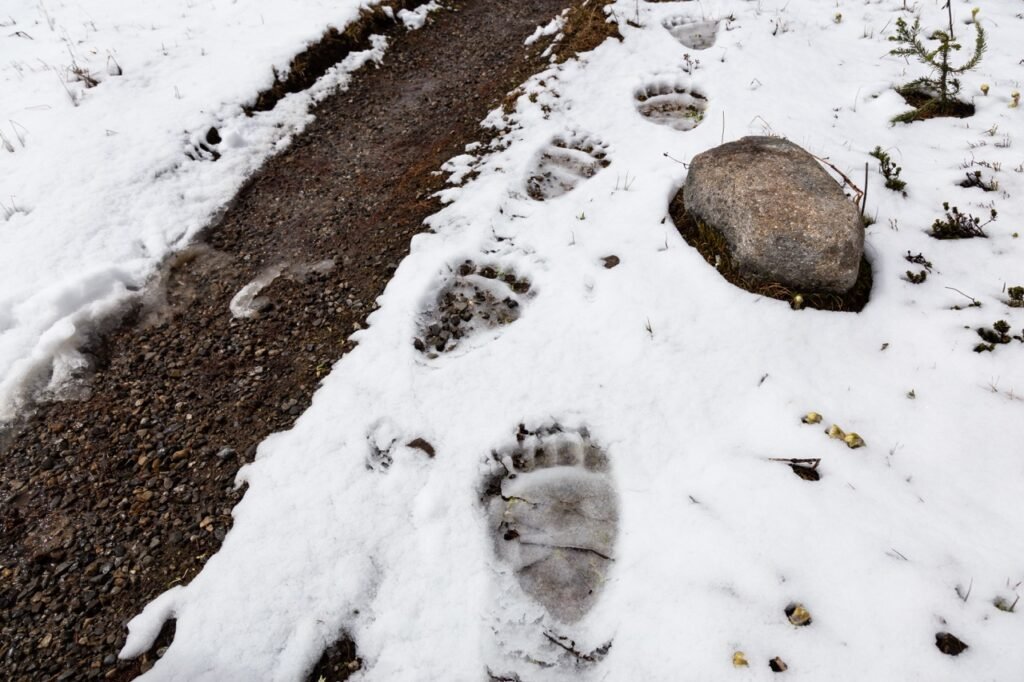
554 513
385 439
476 298
696 34
671 104
204 147
563 164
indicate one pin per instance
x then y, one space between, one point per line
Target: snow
689 385
98 184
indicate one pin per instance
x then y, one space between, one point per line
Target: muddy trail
113 497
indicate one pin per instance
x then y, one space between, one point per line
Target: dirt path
111 499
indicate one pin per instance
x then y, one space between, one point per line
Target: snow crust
689 385
98 184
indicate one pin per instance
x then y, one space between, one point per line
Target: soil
111 498
926 106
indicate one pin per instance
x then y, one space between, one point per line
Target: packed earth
376 341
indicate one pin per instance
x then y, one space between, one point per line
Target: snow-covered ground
688 385
104 106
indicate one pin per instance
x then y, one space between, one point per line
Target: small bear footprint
554 513
475 299
696 34
564 163
204 147
671 104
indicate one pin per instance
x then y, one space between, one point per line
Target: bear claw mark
671 104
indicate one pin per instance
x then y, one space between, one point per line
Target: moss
712 245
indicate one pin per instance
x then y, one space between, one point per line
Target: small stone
835 432
853 441
610 261
224 453
421 444
949 644
798 615
778 665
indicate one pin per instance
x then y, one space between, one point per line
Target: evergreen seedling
890 171
939 88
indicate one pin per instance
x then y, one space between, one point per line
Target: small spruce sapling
942 84
890 171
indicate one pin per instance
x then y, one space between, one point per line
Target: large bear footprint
696 34
671 104
564 163
555 516
477 298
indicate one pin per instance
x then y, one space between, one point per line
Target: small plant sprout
935 94
965 594
999 334
1014 99
889 170
918 259
1016 295
811 418
957 225
975 180
984 89
838 18
917 278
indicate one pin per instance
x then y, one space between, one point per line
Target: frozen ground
106 158
687 386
